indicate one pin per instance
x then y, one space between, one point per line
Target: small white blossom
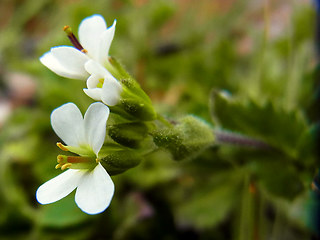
84 136
88 60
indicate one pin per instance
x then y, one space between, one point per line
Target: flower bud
129 134
138 109
134 101
119 160
186 139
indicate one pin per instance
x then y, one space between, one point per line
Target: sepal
116 159
134 101
189 137
130 134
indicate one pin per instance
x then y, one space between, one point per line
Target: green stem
262 219
164 121
246 225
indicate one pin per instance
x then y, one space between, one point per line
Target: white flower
102 86
84 136
88 59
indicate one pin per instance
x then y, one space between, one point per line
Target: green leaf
210 204
277 177
279 128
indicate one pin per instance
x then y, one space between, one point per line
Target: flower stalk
224 137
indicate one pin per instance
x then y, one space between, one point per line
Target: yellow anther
97 160
62 147
73 39
65 166
58 166
60 159
67 29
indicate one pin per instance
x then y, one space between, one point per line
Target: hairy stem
226 137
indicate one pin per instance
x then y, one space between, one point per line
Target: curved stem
226 137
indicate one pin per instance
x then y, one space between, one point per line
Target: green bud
129 134
136 108
186 139
117 70
117 160
132 88
134 103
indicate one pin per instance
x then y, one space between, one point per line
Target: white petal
111 91
94 67
95 121
58 187
93 81
90 30
71 59
67 122
95 191
56 66
105 43
94 93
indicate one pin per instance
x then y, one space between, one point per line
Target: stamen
73 39
62 147
65 166
74 162
61 159
58 166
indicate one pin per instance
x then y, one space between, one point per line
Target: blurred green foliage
179 51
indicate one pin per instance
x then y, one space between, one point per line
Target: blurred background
261 52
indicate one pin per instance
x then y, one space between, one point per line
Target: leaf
278 178
210 204
279 128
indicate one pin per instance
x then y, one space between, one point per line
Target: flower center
100 84
73 39
75 162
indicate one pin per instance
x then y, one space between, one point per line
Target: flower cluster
133 131
84 136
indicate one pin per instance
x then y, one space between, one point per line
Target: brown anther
62 147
